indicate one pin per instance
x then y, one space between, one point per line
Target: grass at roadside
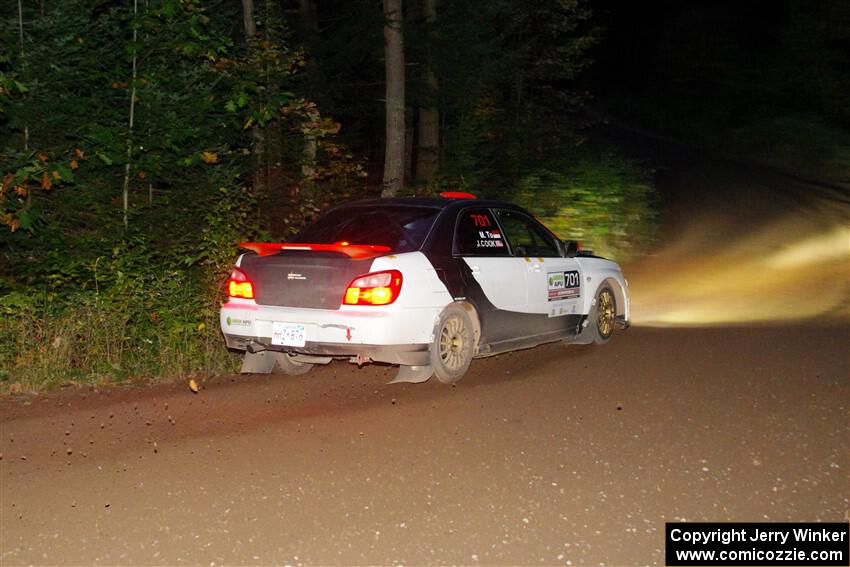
90 338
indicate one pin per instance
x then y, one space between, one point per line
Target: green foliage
139 305
607 202
228 143
9 86
83 298
509 92
128 332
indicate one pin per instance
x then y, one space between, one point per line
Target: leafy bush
217 148
126 306
607 203
118 335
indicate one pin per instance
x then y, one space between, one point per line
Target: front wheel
452 349
604 315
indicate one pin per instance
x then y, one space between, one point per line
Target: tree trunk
309 29
23 63
428 155
257 138
125 193
248 23
394 57
23 70
409 136
308 17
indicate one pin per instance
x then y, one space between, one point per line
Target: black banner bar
763 544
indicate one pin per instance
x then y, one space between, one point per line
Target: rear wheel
288 366
451 351
604 315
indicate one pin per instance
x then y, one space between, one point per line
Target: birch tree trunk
428 156
394 60
125 193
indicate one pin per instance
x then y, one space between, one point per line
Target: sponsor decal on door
564 285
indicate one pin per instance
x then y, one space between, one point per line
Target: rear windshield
402 228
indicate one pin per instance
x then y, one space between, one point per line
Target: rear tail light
238 285
378 288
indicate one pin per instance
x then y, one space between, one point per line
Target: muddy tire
453 346
286 365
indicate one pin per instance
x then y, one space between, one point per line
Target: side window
477 234
526 236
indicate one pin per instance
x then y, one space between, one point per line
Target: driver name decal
489 239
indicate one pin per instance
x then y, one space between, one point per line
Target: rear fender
422 288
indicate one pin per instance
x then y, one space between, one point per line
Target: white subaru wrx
424 283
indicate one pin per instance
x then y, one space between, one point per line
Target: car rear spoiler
353 251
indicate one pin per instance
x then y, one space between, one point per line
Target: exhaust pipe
255 347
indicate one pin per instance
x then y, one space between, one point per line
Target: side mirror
571 248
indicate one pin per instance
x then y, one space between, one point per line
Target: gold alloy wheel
605 313
452 340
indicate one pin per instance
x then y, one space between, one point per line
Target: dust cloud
754 260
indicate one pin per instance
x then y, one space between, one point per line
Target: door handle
476 271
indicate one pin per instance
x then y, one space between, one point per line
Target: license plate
288 334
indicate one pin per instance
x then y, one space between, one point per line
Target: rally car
424 283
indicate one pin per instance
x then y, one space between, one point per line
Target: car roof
435 202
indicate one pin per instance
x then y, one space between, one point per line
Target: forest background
141 140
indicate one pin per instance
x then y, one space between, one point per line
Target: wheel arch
619 294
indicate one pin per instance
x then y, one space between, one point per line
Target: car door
500 275
553 283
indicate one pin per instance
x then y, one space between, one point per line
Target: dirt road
557 455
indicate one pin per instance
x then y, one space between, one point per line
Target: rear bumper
348 325
413 354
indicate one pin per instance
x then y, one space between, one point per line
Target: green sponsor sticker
556 280
232 322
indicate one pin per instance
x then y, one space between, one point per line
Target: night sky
729 61
666 40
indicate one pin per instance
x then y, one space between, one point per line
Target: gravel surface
560 455
555 456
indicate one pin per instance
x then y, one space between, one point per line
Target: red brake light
377 288
238 285
457 195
